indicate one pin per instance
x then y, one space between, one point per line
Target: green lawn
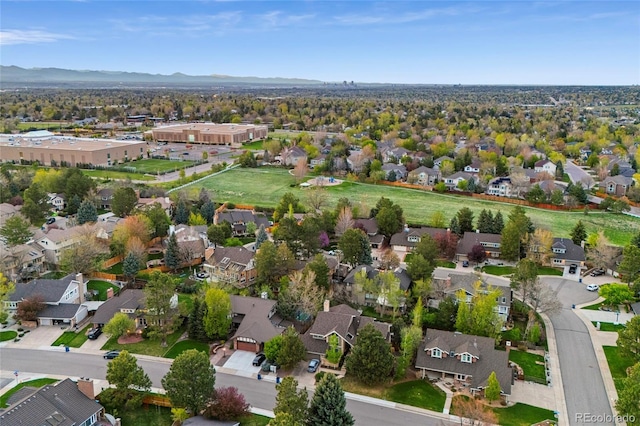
38 383
498 270
146 347
53 275
417 393
445 264
529 363
151 415
44 125
183 345
609 326
594 307
187 299
115 269
255 420
72 339
155 165
265 187
522 415
155 256
617 365
547 270
102 287
8 335
255 145
112 174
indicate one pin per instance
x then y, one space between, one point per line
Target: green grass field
417 393
109 174
44 125
37 383
532 364
618 365
102 287
498 270
255 145
72 339
265 186
184 345
146 347
516 415
8 335
609 326
155 165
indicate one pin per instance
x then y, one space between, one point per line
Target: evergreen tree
87 212
355 247
492 391
292 350
559 170
172 255
472 186
130 266
190 381
208 210
124 200
454 226
498 224
182 213
370 361
328 405
635 241
485 221
74 204
465 220
578 233
291 401
195 324
261 237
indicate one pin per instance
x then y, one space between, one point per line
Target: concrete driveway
39 337
241 362
584 388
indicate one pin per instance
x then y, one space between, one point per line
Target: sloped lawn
72 339
529 363
618 365
417 393
184 345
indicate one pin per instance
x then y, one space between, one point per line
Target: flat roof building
209 133
55 150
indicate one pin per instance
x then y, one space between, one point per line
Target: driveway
584 388
578 175
241 362
39 337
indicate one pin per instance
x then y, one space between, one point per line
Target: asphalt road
260 394
581 377
577 175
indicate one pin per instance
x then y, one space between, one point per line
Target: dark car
259 359
313 365
94 333
597 272
111 354
465 263
573 268
50 220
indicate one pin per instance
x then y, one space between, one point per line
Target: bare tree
542 300
539 244
474 410
345 221
303 293
317 198
520 181
301 169
137 248
84 255
389 260
602 253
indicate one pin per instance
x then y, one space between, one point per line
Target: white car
593 287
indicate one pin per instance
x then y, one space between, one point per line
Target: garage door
245 346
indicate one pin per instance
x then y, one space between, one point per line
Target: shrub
319 376
228 404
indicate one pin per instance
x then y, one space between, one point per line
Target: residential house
490 242
564 252
617 185
192 241
56 201
106 224
370 227
450 283
342 321
500 186
164 202
360 297
54 241
22 261
466 360
63 299
232 265
424 176
399 169
437 163
624 167
318 161
129 301
238 219
255 322
474 167
545 166
105 198
294 155
394 155
403 242
453 180
63 403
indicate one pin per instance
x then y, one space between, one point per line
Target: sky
416 42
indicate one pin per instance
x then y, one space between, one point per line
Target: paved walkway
534 394
604 316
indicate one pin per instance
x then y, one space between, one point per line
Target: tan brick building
70 150
209 133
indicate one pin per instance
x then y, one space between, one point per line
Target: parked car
94 333
50 220
573 268
593 287
259 359
202 275
597 272
465 263
111 354
313 365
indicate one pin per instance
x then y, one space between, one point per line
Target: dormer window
436 353
413 239
466 358
349 336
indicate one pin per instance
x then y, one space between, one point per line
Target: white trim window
436 353
465 357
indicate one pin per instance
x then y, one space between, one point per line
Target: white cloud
390 18
8 37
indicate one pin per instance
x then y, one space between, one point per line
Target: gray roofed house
130 302
438 161
565 252
490 242
54 241
425 176
238 219
343 321
399 169
361 297
233 265
370 225
617 185
255 321
466 360
59 404
7 210
404 241
453 180
105 198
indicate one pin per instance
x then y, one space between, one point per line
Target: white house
54 241
56 201
545 166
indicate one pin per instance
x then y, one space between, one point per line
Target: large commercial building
49 149
209 133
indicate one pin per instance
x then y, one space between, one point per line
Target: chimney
85 385
109 293
81 287
326 305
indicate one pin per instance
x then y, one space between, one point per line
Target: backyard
102 287
265 186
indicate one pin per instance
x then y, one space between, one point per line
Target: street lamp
617 316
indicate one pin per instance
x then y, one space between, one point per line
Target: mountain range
14 74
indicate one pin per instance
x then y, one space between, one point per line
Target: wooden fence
104 276
159 400
113 261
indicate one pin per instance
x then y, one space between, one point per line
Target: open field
265 186
44 125
155 165
109 174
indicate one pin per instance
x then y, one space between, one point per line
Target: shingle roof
256 322
370 225
471 239
126 299
401 238
56 235
62 403
489 359
51 290
237 256
572 250
61 311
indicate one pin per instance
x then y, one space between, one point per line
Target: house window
557 261
466 358
436 353
502 309
504 300
461 377
349 336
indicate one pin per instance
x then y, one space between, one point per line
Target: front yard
617 365
72 339
609 326
8 335
532 364
516 415
498 270
147 346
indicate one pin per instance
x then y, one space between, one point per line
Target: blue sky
490 42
